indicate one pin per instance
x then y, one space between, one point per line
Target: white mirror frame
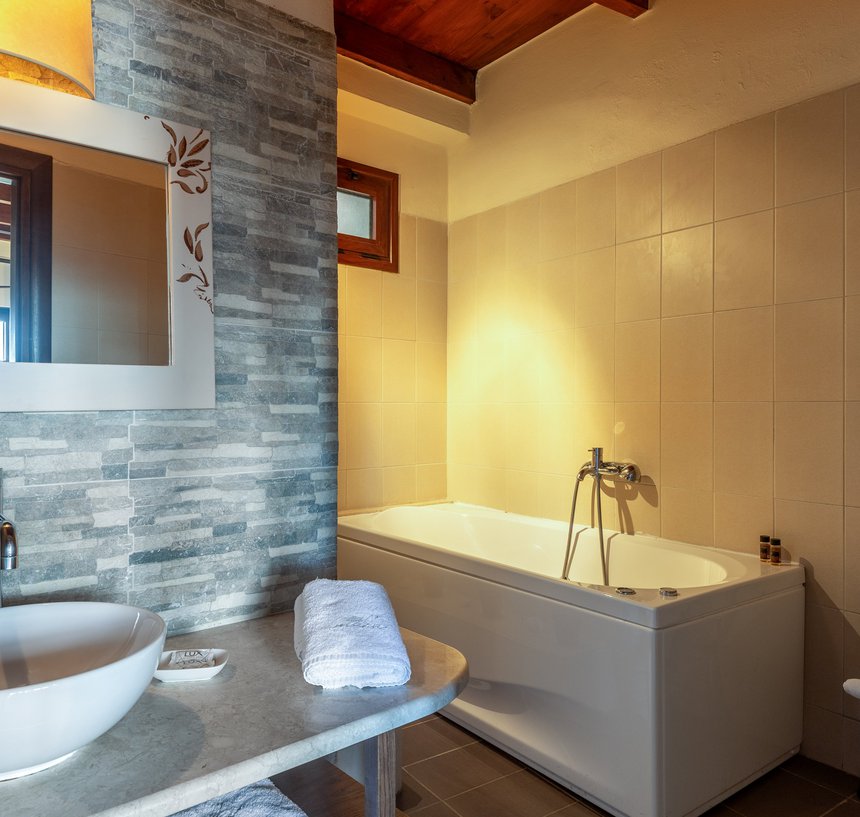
189 382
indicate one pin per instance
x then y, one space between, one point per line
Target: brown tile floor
447 772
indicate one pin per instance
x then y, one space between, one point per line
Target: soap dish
167 673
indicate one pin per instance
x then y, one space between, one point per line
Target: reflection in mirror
83 255
6 190
182 159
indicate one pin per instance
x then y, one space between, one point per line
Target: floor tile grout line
842 797
833 808
436 718
558 786
420 811
417 723
588 806
449 806
490 782
574 799
451 797
806 779
407 766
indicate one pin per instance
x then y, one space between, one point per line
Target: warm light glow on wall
49 42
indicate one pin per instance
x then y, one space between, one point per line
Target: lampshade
48 42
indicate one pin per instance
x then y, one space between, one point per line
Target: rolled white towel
262 799
346 634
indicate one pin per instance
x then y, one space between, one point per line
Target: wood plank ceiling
441 44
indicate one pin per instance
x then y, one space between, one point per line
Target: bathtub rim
646 608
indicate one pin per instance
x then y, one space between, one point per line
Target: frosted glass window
367 216
354 214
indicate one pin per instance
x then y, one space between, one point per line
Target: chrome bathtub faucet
597 468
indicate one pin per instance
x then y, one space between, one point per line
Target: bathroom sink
68 672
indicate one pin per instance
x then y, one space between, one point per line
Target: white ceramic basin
68 672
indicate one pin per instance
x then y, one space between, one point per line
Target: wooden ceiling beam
632 8
375 48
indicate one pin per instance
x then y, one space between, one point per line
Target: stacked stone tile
208 516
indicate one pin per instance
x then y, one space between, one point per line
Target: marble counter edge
185 794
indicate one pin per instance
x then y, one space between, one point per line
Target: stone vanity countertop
186 742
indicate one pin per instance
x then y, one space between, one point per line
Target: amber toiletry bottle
775 551
764 548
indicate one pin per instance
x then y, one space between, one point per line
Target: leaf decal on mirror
195 248
179 155
197 148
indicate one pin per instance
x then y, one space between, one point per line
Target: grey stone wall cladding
208 516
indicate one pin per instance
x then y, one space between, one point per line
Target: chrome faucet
8 540
8 545
8 548
626 471
597 468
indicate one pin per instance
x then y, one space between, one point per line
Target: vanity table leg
380 775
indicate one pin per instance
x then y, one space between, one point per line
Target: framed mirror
106 298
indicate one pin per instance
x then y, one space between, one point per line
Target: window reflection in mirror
6 191
106 297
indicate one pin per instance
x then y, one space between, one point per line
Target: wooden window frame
382 186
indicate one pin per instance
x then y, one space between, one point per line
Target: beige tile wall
698 312
392 374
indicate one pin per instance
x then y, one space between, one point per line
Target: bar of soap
191 659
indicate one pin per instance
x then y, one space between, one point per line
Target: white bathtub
647 706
